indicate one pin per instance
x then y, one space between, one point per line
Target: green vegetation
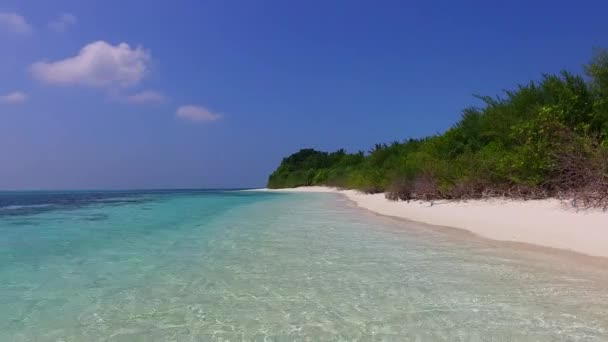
545 138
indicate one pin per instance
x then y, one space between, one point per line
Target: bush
546 138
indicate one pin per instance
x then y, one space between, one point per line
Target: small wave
96 217
119 199
27 206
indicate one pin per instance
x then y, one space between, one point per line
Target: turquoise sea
232 265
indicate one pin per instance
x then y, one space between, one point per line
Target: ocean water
212 265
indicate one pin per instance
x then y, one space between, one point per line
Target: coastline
546 223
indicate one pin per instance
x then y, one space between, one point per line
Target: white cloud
144 97
97 64
197 114
14 23
15 97
63 22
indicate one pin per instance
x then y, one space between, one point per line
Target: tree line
546 138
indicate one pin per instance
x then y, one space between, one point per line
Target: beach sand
548 223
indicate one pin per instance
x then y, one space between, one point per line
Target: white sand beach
548 223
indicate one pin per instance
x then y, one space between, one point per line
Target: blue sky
163 94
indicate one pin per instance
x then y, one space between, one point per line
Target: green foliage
597 71
516 141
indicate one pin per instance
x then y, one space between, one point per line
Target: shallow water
189 266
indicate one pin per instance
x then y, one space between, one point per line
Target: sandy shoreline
547 223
